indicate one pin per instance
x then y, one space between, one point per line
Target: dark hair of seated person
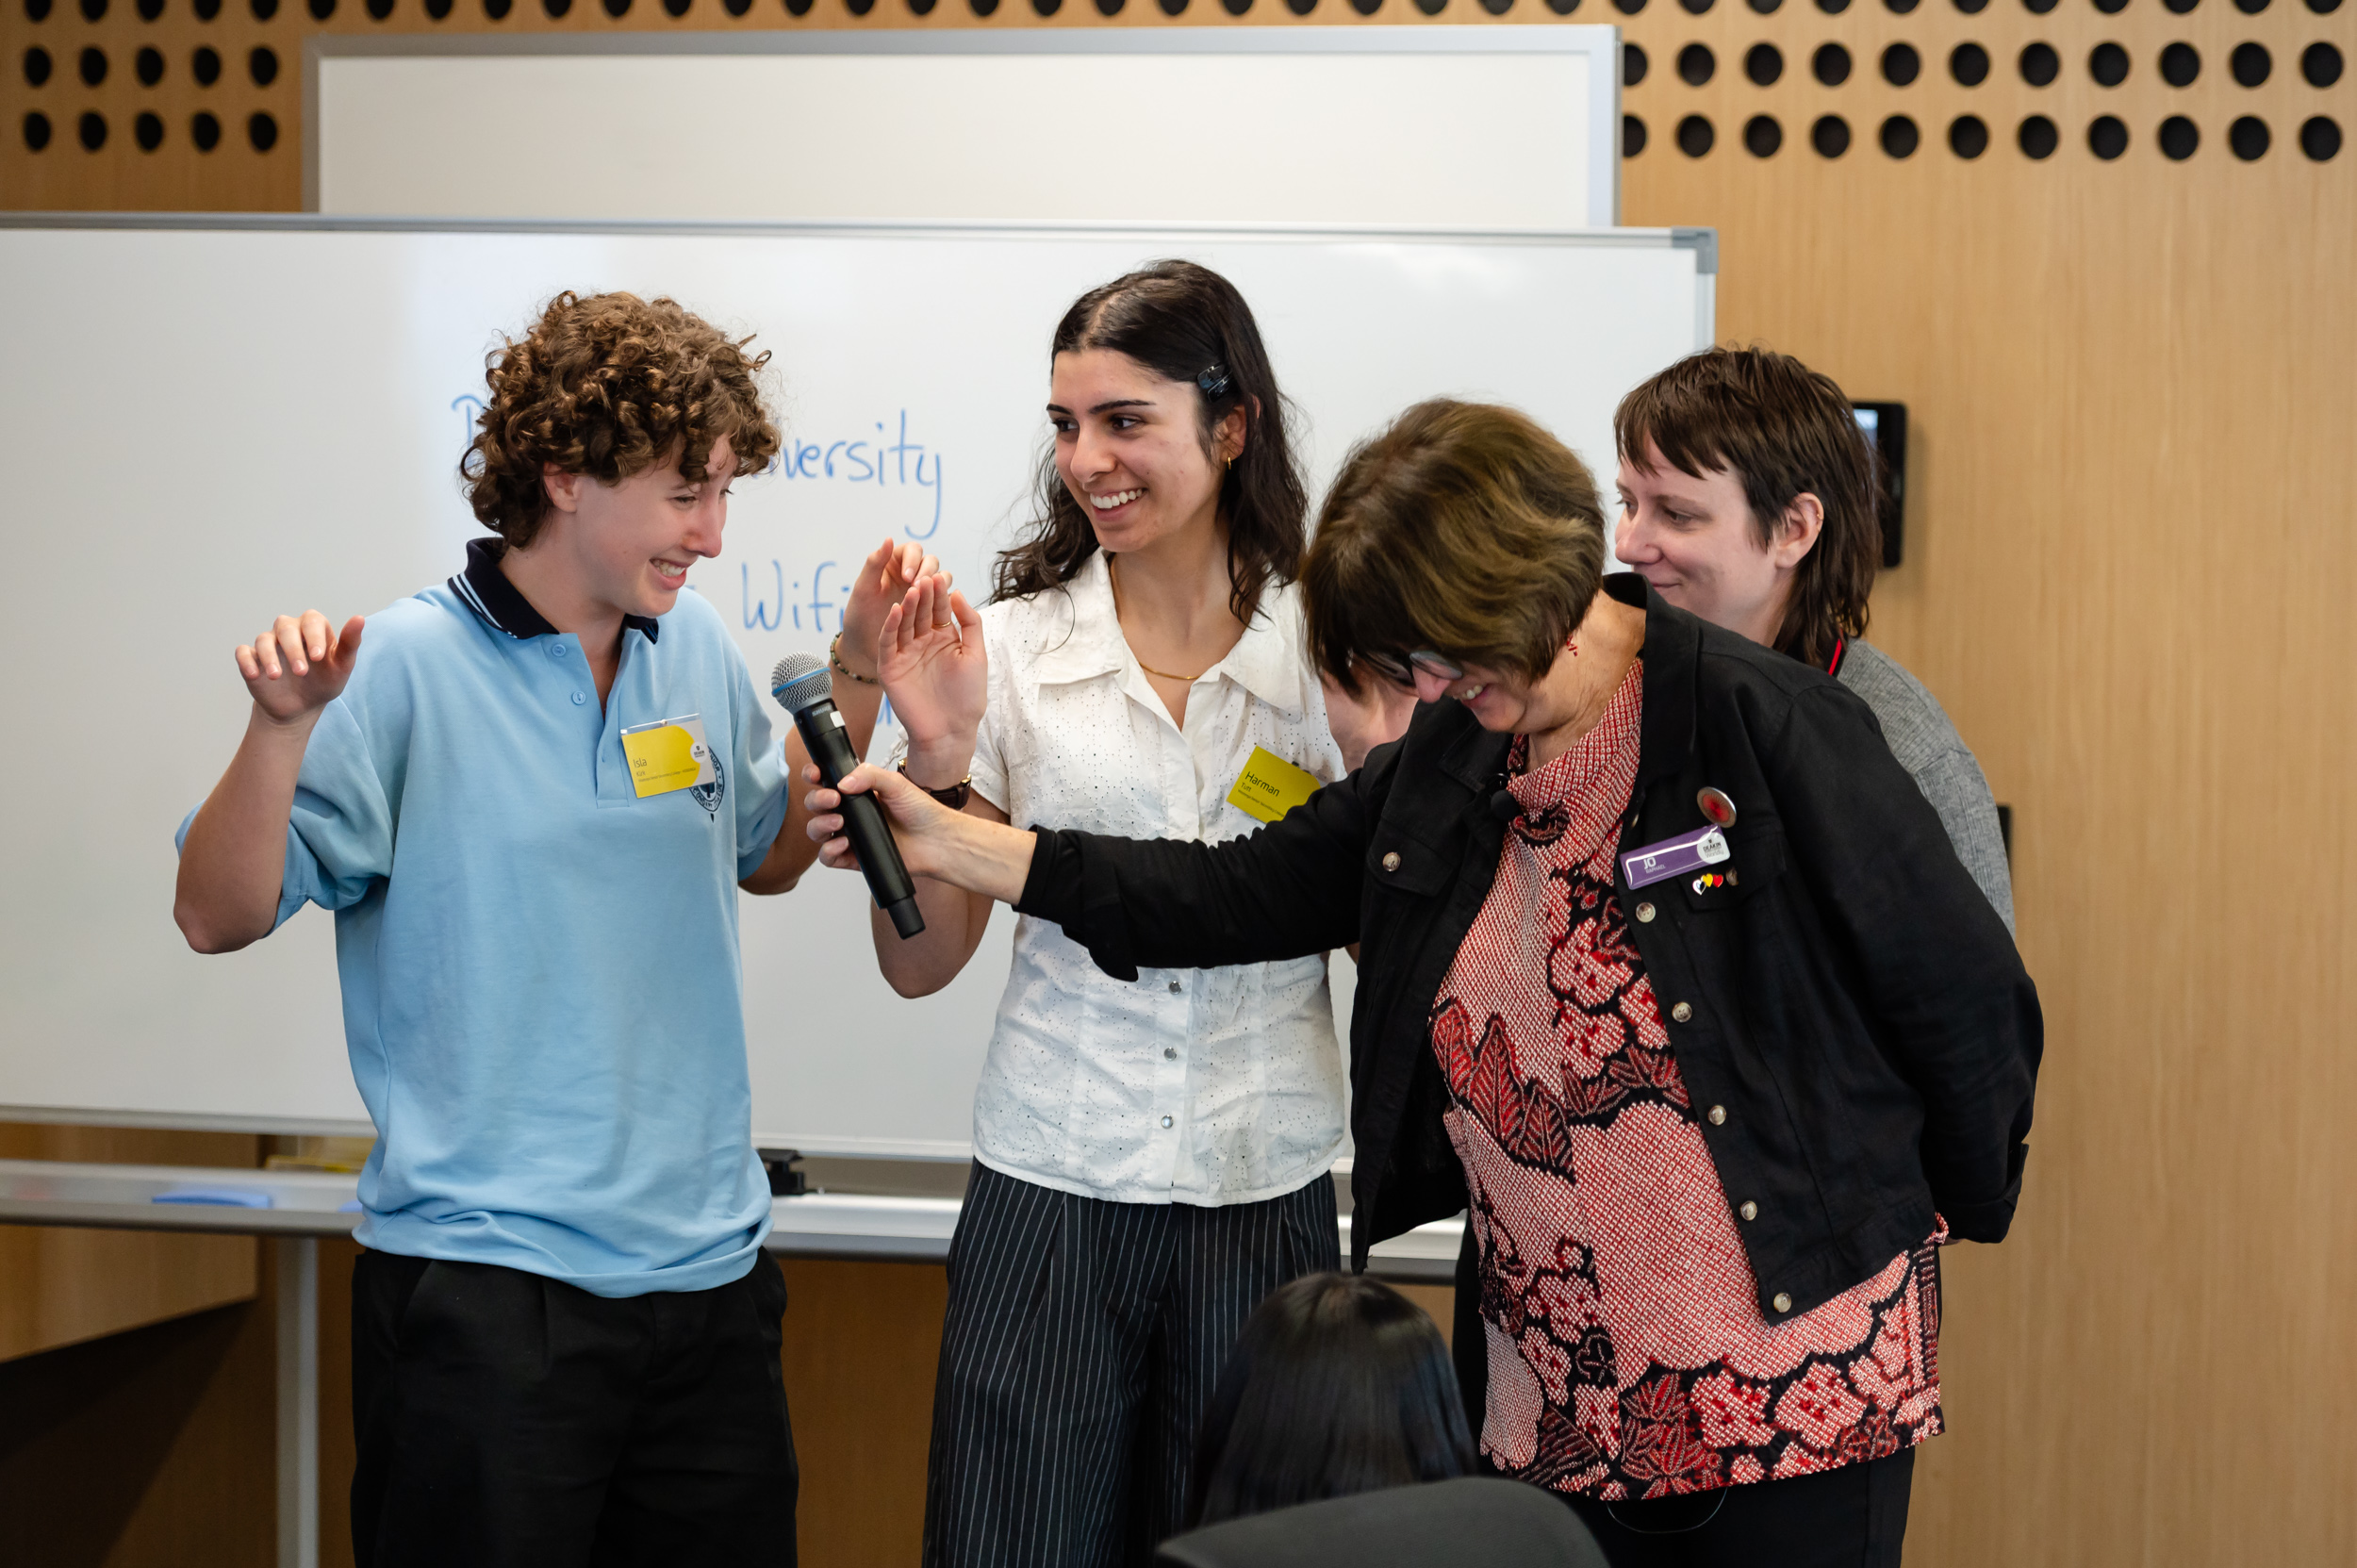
1339 1384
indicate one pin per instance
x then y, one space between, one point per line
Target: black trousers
505 1419
1853 1517
1083 1339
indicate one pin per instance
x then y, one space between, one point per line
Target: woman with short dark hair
1338 1385
1667 974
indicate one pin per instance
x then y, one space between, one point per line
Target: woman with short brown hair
1668 975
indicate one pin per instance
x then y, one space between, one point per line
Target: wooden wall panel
60 1287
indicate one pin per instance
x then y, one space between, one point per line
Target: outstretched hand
299 666
889 572
916 816
935 669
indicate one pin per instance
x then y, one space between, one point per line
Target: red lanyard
1841 646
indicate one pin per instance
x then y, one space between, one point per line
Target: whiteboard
218 419
1480 126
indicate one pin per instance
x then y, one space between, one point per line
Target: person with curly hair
531 805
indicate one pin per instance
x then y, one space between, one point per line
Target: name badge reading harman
667 754
1662 861
1270 787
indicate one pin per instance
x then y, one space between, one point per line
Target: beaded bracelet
834 657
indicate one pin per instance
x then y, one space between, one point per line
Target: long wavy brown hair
610 385
1183 323
1784 430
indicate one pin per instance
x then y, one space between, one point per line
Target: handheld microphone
802 688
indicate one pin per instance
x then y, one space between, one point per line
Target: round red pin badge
1716 806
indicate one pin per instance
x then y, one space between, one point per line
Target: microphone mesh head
799 679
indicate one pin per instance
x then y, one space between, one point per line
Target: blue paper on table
235 1197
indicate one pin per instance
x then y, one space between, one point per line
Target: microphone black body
863 824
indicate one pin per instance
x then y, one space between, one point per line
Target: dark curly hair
1182 322
610 385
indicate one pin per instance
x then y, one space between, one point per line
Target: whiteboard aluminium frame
1600 44
1703 241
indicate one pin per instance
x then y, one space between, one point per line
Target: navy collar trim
484 588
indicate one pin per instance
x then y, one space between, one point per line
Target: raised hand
889 572
935 669
299 666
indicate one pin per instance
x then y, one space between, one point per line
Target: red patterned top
1627 1354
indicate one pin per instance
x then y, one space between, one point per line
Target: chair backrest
1497 1523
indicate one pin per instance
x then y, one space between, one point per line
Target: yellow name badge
1270 787
667 755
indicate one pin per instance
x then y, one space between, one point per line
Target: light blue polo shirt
541 986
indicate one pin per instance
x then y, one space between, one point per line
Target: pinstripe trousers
1083 1343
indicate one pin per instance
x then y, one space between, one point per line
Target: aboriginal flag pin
1716 806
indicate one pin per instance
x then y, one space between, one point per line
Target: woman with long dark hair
1338 1385
1151 1156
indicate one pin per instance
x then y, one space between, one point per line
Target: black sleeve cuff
1080 892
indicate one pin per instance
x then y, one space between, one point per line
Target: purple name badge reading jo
1659 862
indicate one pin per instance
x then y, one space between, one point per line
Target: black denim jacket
1849 999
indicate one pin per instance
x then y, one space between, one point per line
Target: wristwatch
954 797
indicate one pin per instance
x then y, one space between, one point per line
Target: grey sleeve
1952 780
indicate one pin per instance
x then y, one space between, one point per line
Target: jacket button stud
1681 1012
1170 1053
1645 915
1390 861
1749 1209
1174 988
1166 1123
1717 1115
1782 1303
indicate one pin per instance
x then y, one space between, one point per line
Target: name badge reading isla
1270 787
1662 861
668 754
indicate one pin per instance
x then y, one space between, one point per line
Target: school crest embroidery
708 795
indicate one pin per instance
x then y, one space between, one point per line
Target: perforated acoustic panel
197 104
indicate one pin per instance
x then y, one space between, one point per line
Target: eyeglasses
1403 672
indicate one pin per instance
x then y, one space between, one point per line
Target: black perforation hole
677 9
1830 136
557 7
1039 8
2111 8
1696 64
2320 65
37 10
149 63
1765 8
1971 7
1900 136
1968 64
263 10
1833 8
1695 136
1901 6
2250 7
2322 7
1176 7
2108 64
1632 135
205 131
263 65
262 130
2180 138
2248 136
2040 65
1830 65
148 131
36 131
1763 63
150 10
2251 64
498 10
2107 137
1762 135
2039 8
91 128
2181 8
2320 137
1902 64
620 8
439 9
1233 8
1633 64
2038 138
93 65
321 9
2180 64
1628 8
206 10
93 10
1696 8
204 65
1968 136
37 67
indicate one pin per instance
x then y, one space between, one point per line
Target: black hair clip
1213 382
